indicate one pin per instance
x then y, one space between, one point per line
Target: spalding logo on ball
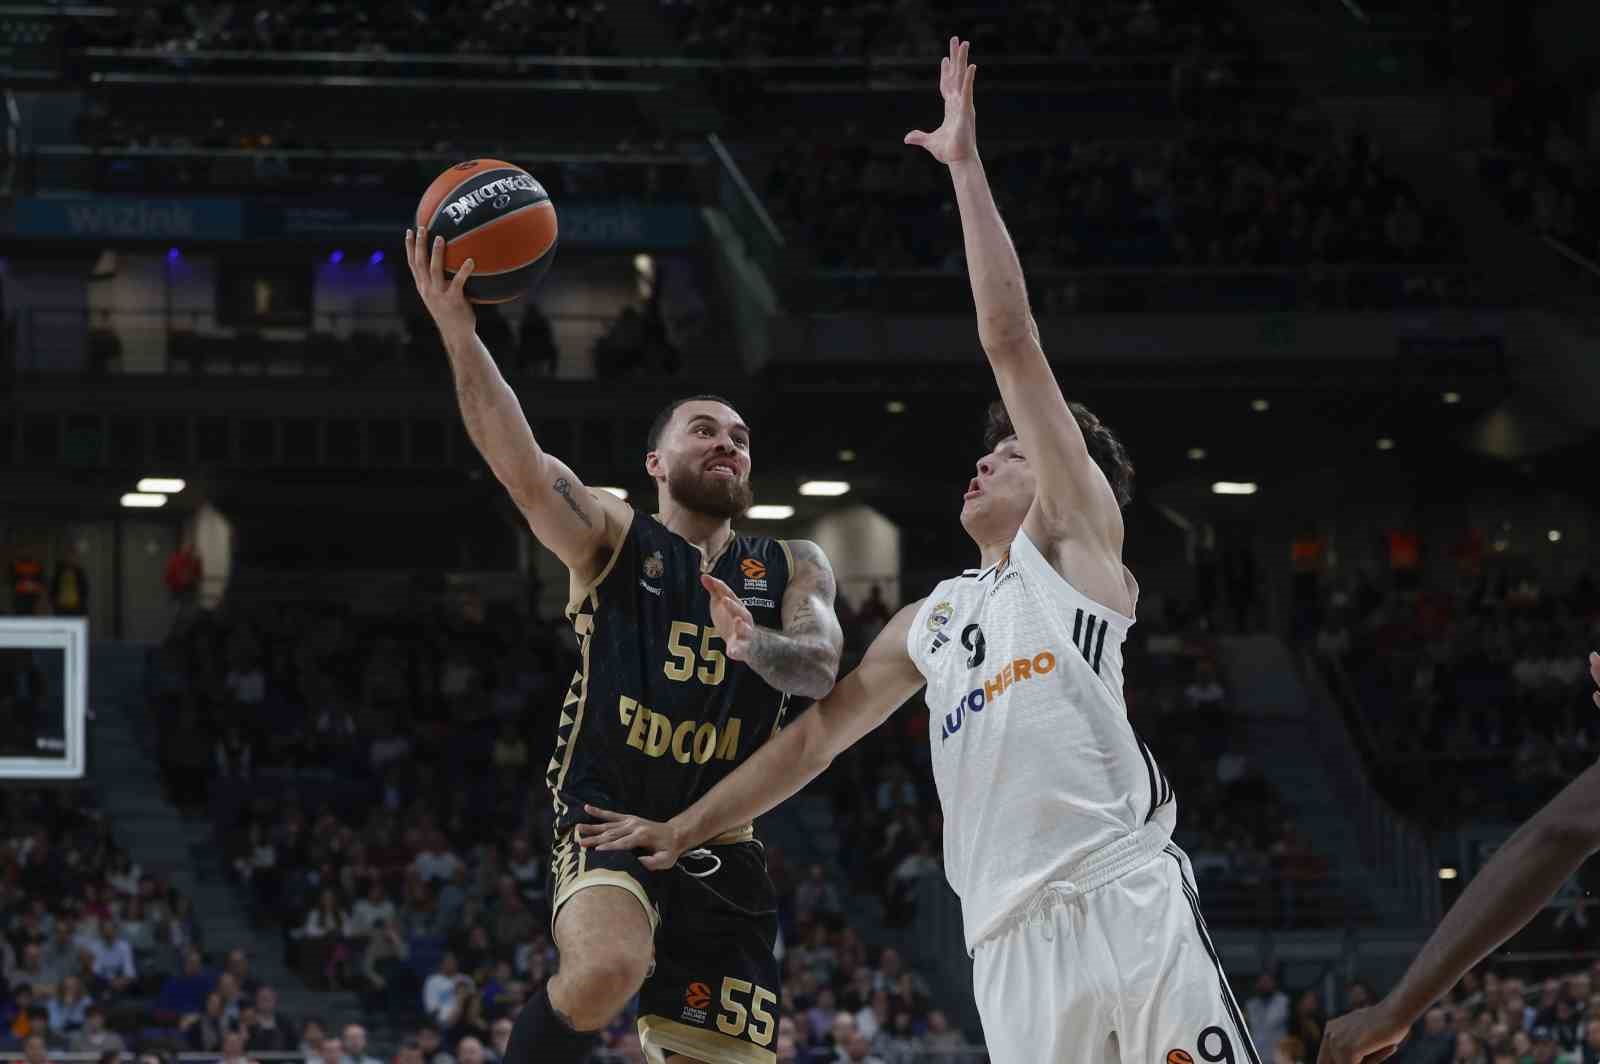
498 216
1174 1056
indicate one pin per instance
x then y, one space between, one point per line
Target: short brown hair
1104 447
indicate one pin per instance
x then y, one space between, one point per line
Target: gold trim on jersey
576 594
788 556
659 1035
735 836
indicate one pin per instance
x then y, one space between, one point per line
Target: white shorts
1122 972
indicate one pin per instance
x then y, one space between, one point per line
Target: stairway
162 838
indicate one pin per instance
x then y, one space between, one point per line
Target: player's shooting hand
658 843
957 139
445 300
1364 1036
734 623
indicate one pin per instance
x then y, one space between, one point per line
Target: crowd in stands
1251 199
1508 1015
369 782
537 27
1540 169
1483 684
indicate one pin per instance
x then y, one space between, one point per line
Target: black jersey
657 713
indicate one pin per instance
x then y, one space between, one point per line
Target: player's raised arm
1074 497
802 659
860 702
1505 894
579 526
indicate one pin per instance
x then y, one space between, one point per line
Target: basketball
498 216
1179 1056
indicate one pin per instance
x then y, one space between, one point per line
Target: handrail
1165 271
1567 252
84 151
648 62
752 201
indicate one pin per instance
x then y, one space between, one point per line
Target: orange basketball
1179 1056
498 216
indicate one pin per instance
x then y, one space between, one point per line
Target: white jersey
1037 767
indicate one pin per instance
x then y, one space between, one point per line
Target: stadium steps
162 839
1278 740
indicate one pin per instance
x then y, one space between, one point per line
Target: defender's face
998 497
704 457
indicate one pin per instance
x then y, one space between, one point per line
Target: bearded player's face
704 457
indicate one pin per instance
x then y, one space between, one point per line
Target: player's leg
1175 1003
1036 986
604 933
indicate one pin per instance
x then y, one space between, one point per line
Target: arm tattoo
803 659
564 489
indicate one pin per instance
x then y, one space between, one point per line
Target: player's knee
601 984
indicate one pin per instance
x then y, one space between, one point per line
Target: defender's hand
1364 1036
658 843
957 139
734 623
1594 673
446 300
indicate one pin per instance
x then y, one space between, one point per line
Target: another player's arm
798 754
1508 892
579 526
1074 499
803 658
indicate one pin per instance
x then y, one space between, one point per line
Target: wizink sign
149 219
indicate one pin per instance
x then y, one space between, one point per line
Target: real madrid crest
940 616
654 566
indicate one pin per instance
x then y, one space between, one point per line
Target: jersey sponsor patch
978 699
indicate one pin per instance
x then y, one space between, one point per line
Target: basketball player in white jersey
1079 911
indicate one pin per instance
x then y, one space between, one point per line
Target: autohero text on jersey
977 699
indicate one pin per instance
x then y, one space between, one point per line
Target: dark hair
659 425
1104 447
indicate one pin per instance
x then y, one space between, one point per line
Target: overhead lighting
135 500
1197 454
1233 487
1260 406
1447 872
1385 443
375 258
769 513
1451 398
847 455
1555 535
621 493
161 485
825 487
895 406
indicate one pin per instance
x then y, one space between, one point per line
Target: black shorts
712 993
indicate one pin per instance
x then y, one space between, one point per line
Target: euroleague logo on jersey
755 574
695 1001
978 699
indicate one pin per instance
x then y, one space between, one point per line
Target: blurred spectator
203 1030
94 1038
233 1048
113 967
354 1041
1267 1011
816 894
440 990
68 1008
272 1032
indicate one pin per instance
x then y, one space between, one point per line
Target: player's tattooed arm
563 488
803 658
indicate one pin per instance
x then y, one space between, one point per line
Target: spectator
432 1046
371 912
469 1051
185 994
874 1017
114 970
435 862
332 1051
312 1035
1267 1012
1308 1023
1435 1044
233 1048
69 1008
1289 1050
61 957
354 1041
857 1050
271 1032
500 1037
1589 1052
440 990
32 972
94 1038
203 1030
817 894
390 982
33 1050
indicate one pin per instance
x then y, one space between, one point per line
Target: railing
337 344
1398 854
739 201
637 176
1155 288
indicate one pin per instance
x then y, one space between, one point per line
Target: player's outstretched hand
445 300
1594 673
957 138
1364 1036
734 623
658 843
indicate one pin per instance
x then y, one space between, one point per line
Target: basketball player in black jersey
692 640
